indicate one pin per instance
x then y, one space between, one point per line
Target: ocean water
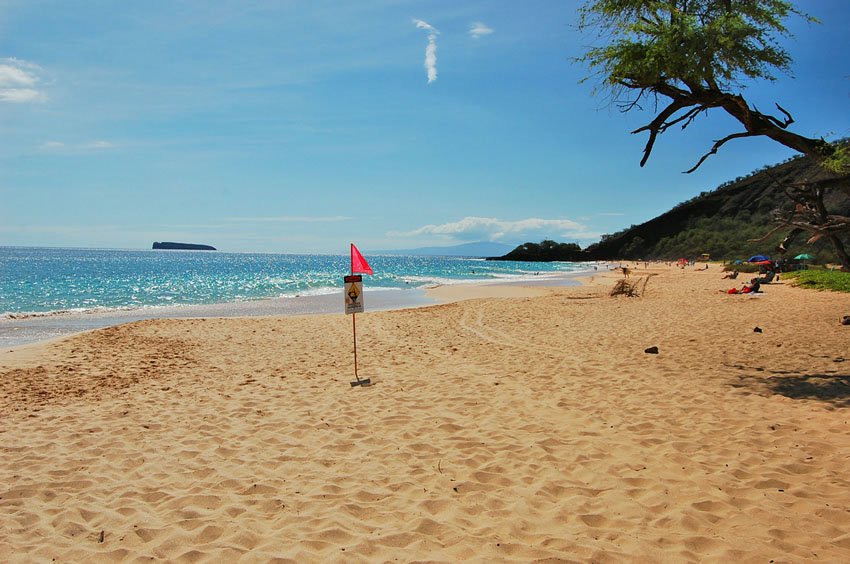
41 280
47 292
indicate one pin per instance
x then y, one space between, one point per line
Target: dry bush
630 288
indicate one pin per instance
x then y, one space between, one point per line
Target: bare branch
693 114
658 125
831 182
835 224
628 106
782 247
719 144
786 189
770 233
689 115
783 124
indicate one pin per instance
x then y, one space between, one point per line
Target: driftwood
632 288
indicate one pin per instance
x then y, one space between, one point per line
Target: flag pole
354 334
360 263
354 331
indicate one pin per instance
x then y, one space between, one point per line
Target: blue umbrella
757 258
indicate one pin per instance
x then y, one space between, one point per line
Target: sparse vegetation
728 223
833 280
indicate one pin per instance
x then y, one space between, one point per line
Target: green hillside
720 222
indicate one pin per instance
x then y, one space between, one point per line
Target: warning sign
353 294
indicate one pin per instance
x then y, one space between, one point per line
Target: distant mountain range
481 249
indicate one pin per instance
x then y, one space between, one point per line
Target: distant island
167 245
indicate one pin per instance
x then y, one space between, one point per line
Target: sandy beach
505 424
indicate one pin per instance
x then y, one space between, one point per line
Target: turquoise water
43 281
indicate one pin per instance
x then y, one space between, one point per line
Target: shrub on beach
834 280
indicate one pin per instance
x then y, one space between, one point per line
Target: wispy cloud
291 219
477 29
57 146
98 145
611 214
491 228
430 49
19 81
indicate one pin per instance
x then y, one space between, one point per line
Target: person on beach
751 288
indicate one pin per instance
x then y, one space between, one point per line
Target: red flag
358 263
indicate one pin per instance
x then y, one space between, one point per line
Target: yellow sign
353 294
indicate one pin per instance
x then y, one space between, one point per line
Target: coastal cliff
167 245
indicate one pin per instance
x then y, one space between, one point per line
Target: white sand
530 426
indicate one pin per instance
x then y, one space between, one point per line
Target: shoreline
40 328
27 329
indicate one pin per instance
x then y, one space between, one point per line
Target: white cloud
16 95
430 49
477 29
98 145
19 81
291 219
491 229
90 146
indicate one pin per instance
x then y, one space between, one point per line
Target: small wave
19 315
320 291
31 315
428 281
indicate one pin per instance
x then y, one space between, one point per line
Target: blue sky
298 126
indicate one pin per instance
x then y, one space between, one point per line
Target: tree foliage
695 44
545 251
691 56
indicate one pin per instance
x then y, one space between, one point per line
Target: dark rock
651 350
845 320
168 245
757 330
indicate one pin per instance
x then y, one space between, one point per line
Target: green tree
689 57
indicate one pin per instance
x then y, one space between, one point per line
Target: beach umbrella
804 256
757 258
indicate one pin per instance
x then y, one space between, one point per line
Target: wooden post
354 304
354 331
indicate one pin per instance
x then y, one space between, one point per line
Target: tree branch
783 124
770 233
627 106
717 145
658 126
691 115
